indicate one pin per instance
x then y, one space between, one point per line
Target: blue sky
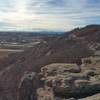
32 15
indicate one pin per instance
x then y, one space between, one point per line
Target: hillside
65 48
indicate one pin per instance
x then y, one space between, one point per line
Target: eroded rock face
59 68
60 81
66 82
30 82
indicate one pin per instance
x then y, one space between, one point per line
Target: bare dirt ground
6 52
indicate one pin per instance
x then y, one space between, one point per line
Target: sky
31 15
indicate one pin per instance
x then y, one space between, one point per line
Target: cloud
48 14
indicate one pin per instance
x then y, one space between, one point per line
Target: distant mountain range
39 32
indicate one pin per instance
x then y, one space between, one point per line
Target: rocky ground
72 81
63 81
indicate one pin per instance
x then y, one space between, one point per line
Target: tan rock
45 93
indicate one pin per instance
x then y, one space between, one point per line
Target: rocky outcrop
66 83
28 86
